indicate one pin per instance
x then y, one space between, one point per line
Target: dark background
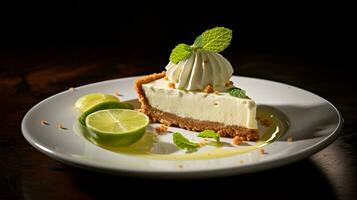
139 27
49 47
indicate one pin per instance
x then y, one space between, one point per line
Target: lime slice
116 127
87 101
103 106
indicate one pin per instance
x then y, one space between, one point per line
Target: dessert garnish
215 40
183 143
89 100
237 92
209 134
116 127
198 66
110 122
103 106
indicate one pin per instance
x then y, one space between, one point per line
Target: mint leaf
216 39
209 134
198 43
183 143
237 92
180 52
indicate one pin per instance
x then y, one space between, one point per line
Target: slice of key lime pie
195 91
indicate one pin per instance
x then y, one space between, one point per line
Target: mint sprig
198 43
183 143
180 52
238 92
209 134
215 40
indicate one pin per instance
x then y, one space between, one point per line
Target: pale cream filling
212 107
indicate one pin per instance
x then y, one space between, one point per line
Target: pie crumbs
44 123
161 129
171 85
262 151
290 139
208 89
117 93
61 127
237 140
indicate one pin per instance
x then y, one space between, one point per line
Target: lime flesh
116 127
87 101
104 106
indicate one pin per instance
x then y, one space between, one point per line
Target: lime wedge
103 106
116 127
87 101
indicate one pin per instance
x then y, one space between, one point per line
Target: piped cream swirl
199 70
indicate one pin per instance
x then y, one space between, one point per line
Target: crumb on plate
44 123
117 93
262 151
237 140
161 129
290 139
61 127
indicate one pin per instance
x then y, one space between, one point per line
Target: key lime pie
195 91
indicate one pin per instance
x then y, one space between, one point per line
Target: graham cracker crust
188 123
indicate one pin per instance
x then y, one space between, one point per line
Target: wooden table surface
28 76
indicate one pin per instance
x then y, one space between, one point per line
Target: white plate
314 123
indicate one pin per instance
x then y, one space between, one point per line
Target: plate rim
197 173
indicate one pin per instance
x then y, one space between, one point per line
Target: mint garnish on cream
238 92
193 68
215 40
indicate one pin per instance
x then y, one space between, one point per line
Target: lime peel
86 102
103 106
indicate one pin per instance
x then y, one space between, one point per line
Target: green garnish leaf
238 92
180 52
198 43
216 39
209 134
183 143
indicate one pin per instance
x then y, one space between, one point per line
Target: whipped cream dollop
199 70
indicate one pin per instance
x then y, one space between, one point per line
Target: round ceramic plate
308 124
